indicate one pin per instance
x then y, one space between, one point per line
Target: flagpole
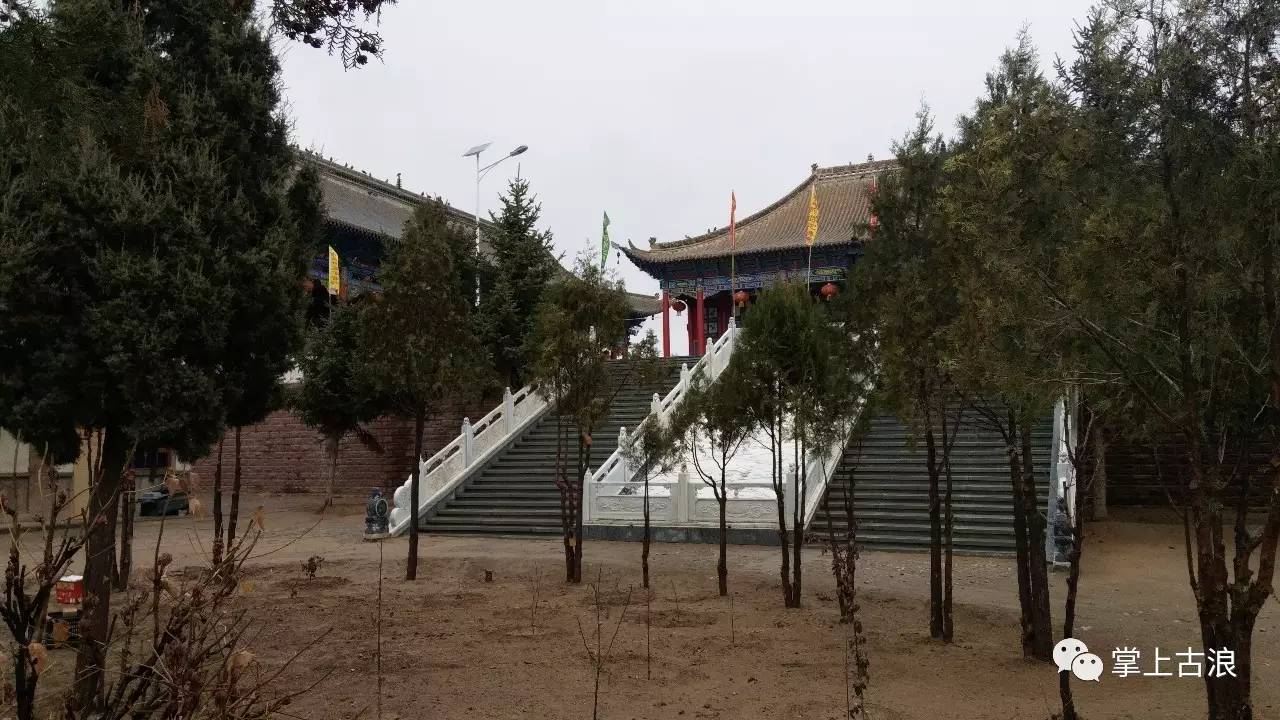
733 256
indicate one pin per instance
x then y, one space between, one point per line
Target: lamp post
480 173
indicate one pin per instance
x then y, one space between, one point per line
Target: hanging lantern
740 298
678 305
829 291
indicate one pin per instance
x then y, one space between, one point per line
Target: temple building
702 274
363 214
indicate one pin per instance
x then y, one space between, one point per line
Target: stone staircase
515 493
891 501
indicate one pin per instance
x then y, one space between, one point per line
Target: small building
702 273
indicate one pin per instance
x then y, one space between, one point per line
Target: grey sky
651 110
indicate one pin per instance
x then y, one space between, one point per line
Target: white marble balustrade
444 471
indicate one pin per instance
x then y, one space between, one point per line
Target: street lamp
480 173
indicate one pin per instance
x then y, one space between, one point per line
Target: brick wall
280 454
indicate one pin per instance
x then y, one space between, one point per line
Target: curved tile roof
362 202
843 209
357 200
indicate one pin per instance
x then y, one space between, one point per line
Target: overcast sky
651 110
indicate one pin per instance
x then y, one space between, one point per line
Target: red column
666 324
700 331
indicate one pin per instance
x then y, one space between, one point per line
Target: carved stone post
467 437
624 463
508 411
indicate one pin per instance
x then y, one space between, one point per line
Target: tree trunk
778 448
584 462
1099 480
217 508
100 540
566 499
331 447
644 545
23 682
1041 619
1069 613
128 495
234 514
797 518
1022 553
419 421
722 564
948 527
935 530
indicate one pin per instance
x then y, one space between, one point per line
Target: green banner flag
604 241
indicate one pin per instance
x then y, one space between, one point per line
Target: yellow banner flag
811 228
335 275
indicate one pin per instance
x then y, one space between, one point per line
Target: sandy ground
455 646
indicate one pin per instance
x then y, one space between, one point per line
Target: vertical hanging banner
811 228
335 273
604 241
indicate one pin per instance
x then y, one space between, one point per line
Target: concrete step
516 494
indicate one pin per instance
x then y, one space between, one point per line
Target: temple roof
644 305
359 201
843 212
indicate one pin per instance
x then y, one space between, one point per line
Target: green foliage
150 250
337 395
903 289
1012 208
581 321
793 362
523 263
419 337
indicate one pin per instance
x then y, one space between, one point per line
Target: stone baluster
680 496
624 465
508 411
467 437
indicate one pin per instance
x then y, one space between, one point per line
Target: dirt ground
456 646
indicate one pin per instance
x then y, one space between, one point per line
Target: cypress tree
150 247
420 337
523 262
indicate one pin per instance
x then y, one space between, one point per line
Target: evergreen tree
906 297
581 321
1173 281
709 425
337 396
1010 212
791 360
523 263
146 217
419 337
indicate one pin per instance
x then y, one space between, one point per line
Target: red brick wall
280 454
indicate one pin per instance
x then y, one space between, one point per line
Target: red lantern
741 298
677 305
829 291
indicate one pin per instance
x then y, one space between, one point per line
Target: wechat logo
1072 655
